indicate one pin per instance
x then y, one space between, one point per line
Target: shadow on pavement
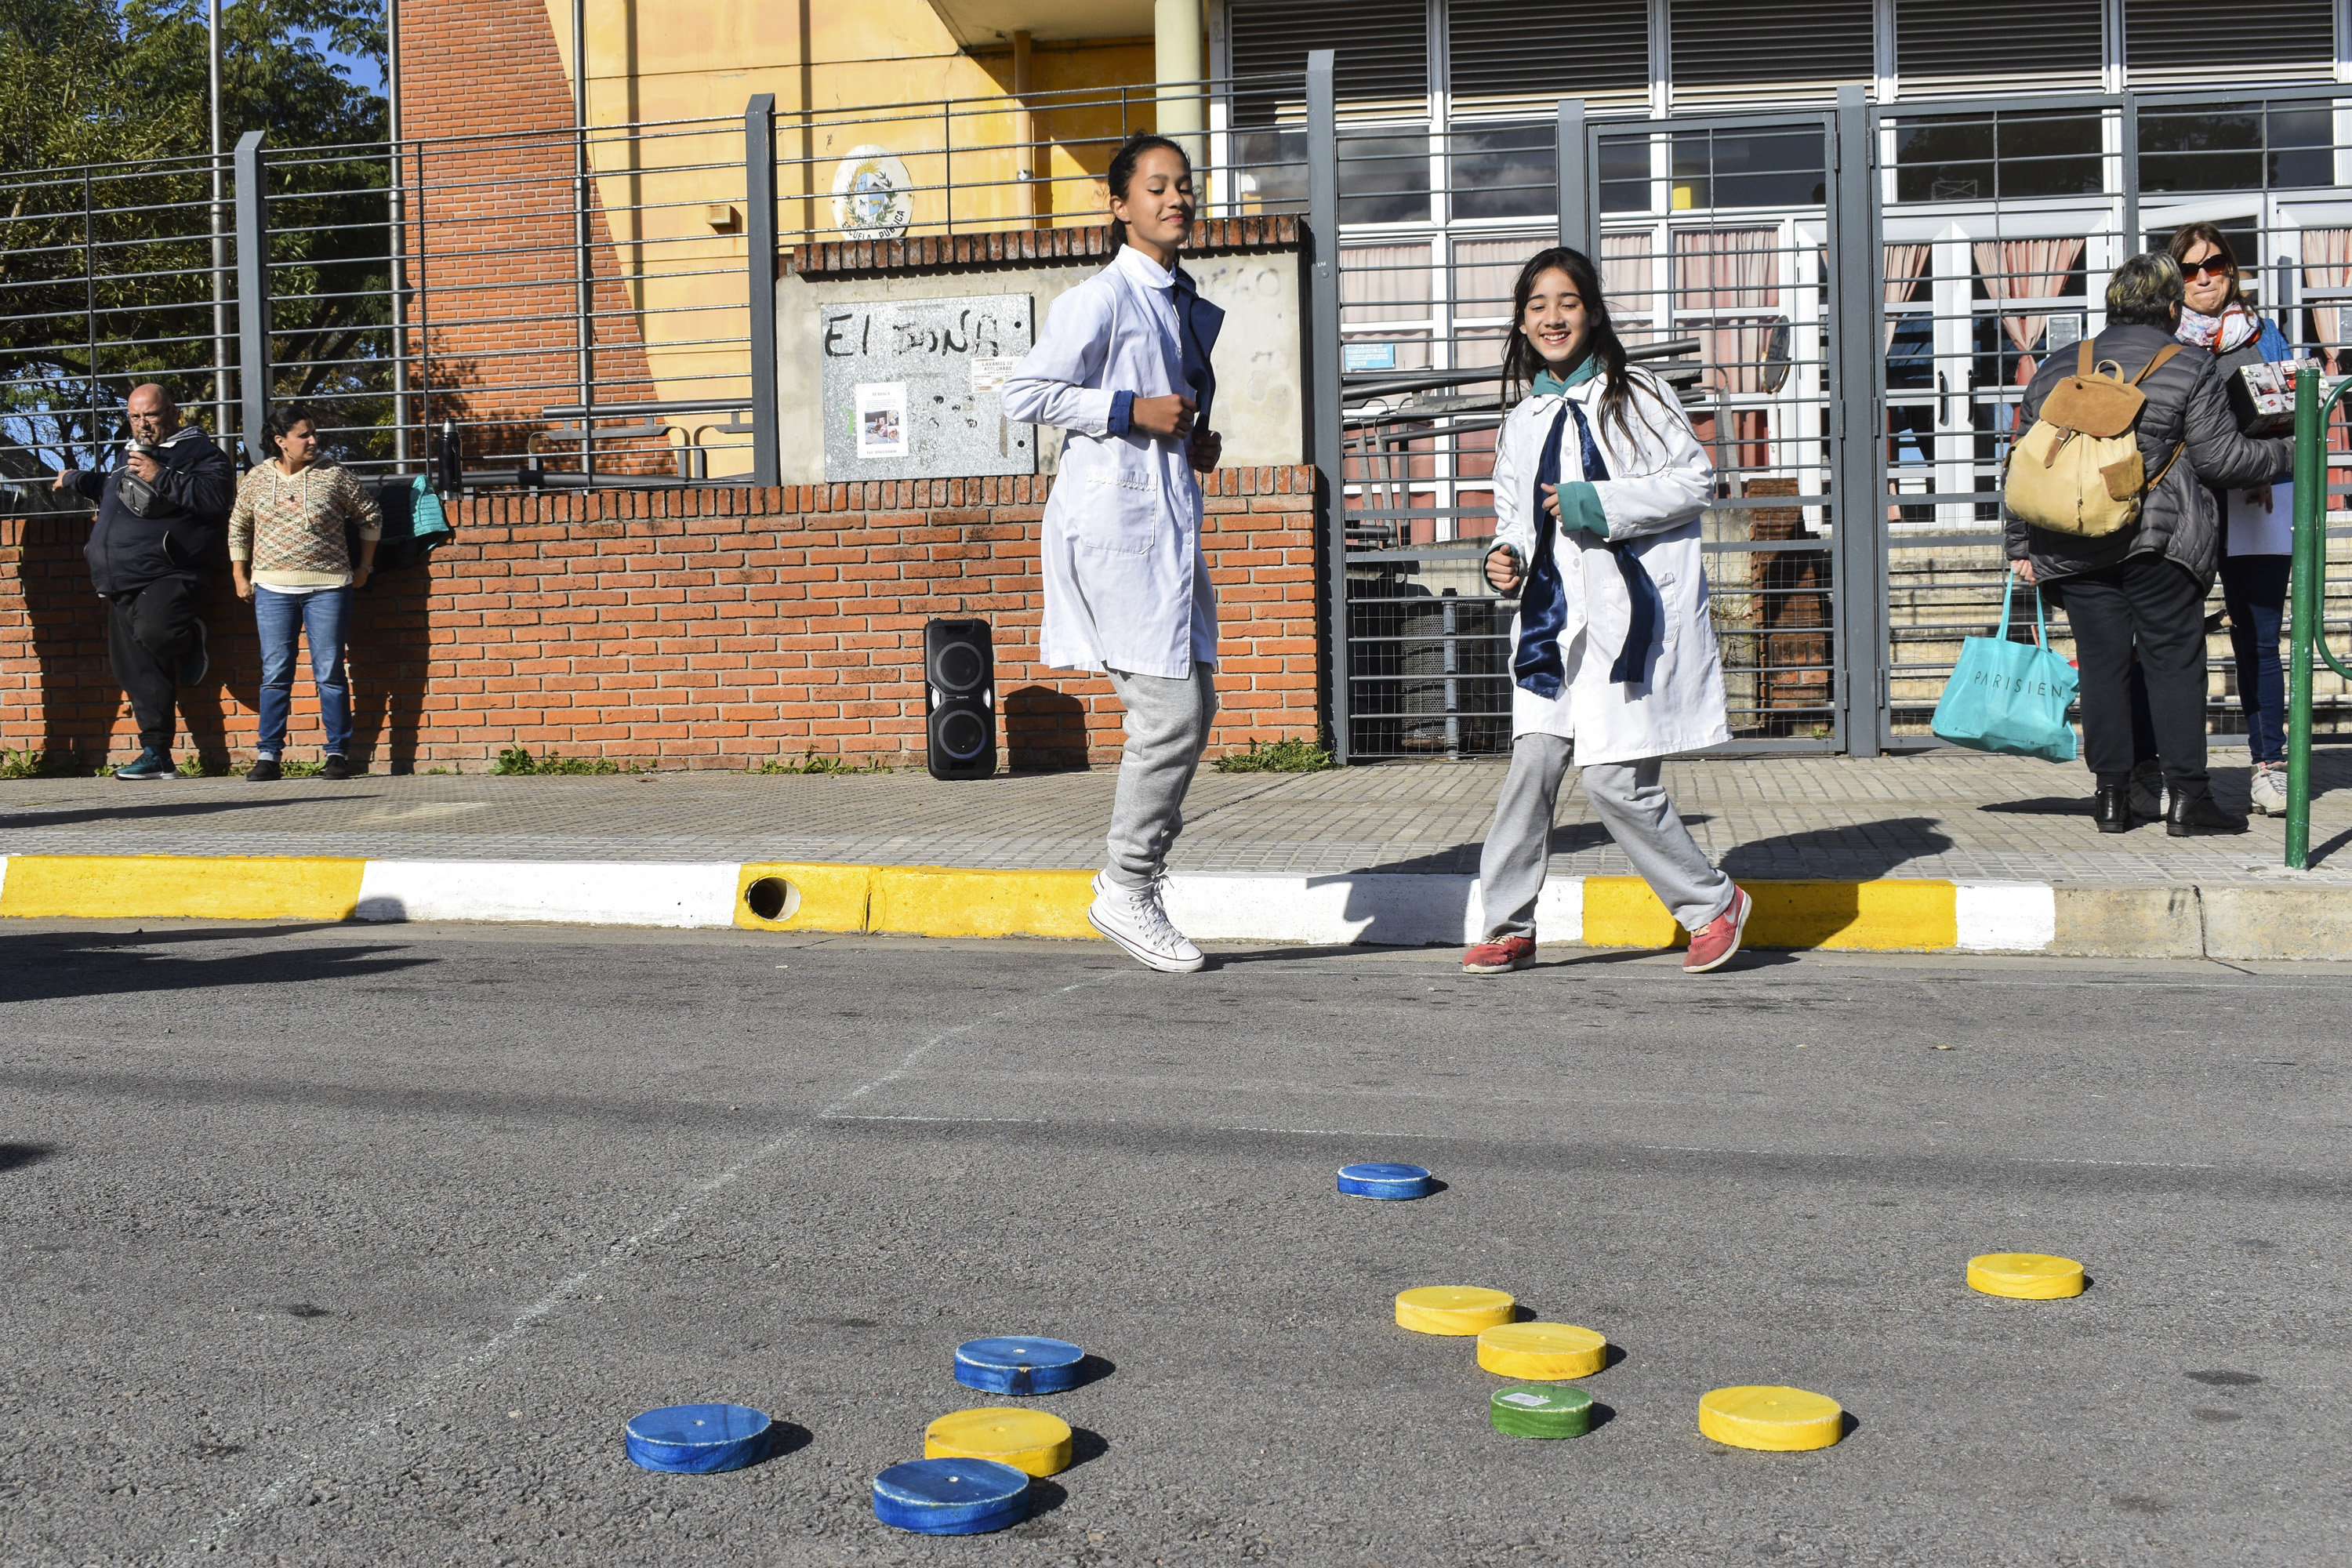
52 965
17 1156
1849 851
2043 805
153 808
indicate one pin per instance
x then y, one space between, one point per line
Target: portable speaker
959 681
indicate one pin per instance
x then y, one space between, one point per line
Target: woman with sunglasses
2259 528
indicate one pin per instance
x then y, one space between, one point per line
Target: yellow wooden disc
1453 1309
1782 1420
2028 1275
1542 1353
1028 1440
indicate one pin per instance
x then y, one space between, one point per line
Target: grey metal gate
1733 257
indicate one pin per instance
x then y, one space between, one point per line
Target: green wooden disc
1541 1410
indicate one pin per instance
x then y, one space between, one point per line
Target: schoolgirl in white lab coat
1122 366
1599 484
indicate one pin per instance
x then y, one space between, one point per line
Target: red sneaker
1500 956
1712 946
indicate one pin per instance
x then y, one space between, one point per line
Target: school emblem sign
873 198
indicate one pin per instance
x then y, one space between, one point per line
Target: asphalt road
328 1246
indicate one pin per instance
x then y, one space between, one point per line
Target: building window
2240 150
1505 171
1996 157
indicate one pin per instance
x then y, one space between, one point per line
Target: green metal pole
2309 562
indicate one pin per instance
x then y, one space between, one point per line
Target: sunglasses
2211 266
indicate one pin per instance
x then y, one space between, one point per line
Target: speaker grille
963 735
960 667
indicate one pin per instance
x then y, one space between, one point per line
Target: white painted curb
567 892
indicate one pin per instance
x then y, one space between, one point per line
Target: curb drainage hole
772 898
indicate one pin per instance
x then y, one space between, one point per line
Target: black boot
2195 814
2112 808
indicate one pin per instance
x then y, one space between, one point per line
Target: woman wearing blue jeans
287 549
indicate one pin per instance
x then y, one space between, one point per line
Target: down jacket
127 552
2187 402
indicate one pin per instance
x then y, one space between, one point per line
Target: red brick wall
695 628
491 243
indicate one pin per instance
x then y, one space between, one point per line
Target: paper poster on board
881 419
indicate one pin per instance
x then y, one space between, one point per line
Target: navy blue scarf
1543 600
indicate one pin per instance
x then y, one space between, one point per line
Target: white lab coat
1125 586
1660 481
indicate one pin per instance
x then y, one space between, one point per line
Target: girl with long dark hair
1599 485
1122 367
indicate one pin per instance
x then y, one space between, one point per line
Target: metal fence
1855 297
1847 299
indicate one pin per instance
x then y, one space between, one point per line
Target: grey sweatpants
1627 799
1167 728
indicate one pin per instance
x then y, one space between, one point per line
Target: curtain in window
1729 274
1904 263
2019 269
1626 284
2328 264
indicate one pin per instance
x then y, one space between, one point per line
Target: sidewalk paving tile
1939 814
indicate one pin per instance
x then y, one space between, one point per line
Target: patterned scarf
2232 329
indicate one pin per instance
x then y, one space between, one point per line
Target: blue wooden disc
952 1496
1377 1180
1010 1364
698 1439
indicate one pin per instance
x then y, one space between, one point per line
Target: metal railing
1846 298
2308 589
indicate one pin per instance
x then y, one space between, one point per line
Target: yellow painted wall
844 77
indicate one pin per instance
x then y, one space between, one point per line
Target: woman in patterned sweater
286 544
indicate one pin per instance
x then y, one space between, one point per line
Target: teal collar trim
1548 385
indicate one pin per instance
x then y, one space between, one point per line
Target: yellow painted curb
816 897
937 900
1887 913
181 886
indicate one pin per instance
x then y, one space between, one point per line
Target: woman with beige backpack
2108 512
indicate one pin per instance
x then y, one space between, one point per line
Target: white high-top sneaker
2270 788
1137 921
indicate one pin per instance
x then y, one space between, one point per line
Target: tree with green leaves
106 219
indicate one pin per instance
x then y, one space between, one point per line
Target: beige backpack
2079 470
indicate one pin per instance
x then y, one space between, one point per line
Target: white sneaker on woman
2270 788
1135 919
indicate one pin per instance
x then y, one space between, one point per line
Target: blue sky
364 69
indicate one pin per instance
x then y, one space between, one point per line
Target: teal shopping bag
2010 697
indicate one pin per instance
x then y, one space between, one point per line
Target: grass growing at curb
813 763
517 760
1292 756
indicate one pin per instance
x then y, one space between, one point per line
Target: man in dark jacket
2145 584
158 516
